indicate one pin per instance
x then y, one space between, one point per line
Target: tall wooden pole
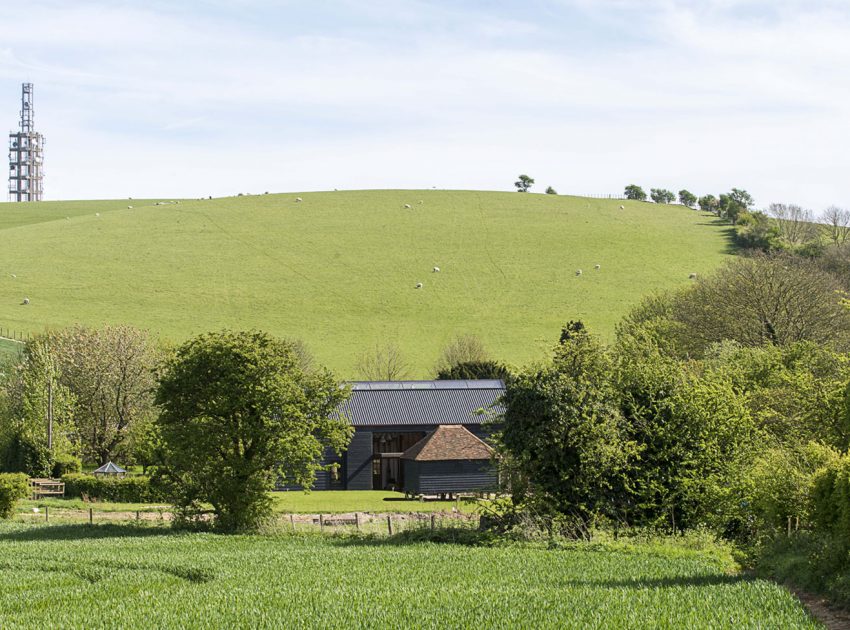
50 413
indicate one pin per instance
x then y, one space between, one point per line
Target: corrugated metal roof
380 403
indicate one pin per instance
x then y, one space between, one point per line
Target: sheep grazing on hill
129 207
622 207
407 206
14 276
418 285
26 301
298 200
692 276
97 214
597 267
578 272
436 270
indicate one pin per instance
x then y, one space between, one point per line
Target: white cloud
584 95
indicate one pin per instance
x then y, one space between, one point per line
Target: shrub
13 486
118 489
830 499
65 463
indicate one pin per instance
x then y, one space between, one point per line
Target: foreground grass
339 269
112 576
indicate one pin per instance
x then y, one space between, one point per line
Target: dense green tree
687 198
689 429
36 412
238 413
634 192
524 183
708 203
662 195
551 191
472 370
755 230
563 433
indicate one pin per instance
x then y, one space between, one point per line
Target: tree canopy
238 414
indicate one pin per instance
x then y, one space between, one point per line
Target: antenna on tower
26 154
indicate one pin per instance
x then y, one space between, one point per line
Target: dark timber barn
448 460
391 417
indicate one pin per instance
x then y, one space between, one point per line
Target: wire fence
10 334
373 523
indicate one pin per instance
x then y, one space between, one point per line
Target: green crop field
339 269
107 576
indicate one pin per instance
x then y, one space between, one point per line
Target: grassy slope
339 269
107 576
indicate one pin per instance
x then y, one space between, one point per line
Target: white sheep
622 207
597 267
692 276
14 276
26 301
97 214
407 206
578 272
418 285
298 200
436 270
129 207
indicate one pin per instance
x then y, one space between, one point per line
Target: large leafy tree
111 373
36 412
634 192
563 434
524 183
238 413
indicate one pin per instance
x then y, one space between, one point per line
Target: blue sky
210 97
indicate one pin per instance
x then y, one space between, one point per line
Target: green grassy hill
340 268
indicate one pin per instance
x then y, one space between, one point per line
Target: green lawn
339 269
333 501
77 576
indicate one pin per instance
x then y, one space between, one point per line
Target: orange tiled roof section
448 442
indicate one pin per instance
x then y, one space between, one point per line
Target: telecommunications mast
26 154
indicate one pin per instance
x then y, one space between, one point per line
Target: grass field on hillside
112 576
339 269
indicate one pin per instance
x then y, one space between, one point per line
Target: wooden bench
40 488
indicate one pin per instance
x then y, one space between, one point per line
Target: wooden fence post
91 516
321 523
433 521
390 524
357 520
292 521
137 516
46 514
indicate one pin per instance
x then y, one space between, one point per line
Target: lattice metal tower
26 154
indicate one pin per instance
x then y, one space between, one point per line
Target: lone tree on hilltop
635 193
238 414
687 198
662 195
524 183
551 191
